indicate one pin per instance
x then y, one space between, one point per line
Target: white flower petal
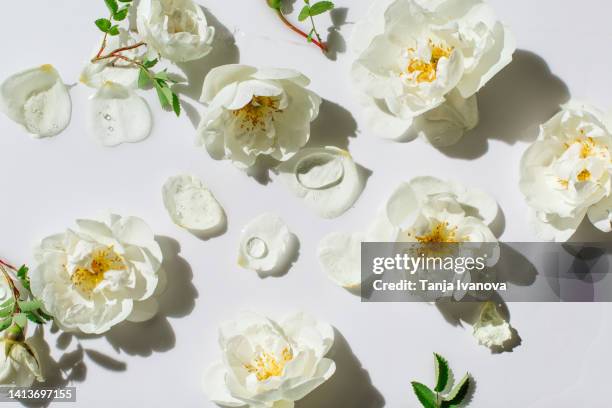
327 179
600 214
117 115
306 330
37 99
216 389
192 206
491 330
266 244
340 256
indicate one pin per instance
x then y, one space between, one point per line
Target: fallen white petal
327 179
491 329
118 115
192 206
37 99
340 256
266 244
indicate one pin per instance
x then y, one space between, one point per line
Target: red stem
322 46
116 52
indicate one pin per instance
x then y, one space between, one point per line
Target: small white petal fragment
118 115
266 244
340 256
327 179
192 206
491 330
38 100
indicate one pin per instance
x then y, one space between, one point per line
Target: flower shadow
350 386
178 300
513 105
224 52
336 43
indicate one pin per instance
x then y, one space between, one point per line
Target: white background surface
46 184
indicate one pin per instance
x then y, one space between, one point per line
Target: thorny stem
316 41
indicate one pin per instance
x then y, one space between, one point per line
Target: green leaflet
104 24
305 13
275 4
425 395
112 6
458 394
20 319
442 372
22 274
321 7
30 306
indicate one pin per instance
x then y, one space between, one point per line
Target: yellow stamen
564 183
256 113
440 233
266 365
102 261
428 70
584 175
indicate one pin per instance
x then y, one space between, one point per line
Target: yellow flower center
584 175
440 233
427 71
266 365
87 278
257 112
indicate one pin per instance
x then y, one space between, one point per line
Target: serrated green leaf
457 394
112 5
424 394
22 274
7 311
121 14
275 4
114 30
34 318
7 303
442 373
143 79
305 13
125 1
162 75
103 24
176 104
20 320
164 94
5 324
30 306
321 7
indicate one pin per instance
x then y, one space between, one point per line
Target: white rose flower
252 112
566 173
96 74
491 330
269 364
20 367
327 179
421 62
424 210
118 115
266 244
192 206
99 275
176 29
38 100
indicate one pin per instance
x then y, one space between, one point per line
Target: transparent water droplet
111 129
320 171
256 248
108 117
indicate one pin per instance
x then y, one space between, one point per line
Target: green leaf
125 1
275 4
442 372
44 315
5 324
150 63
104 24
8 310
305 13
162 75
22 274
321 7
20 320
143 78
112 5
176 104
424 394
164 94
458 393
7 303
34 318
114 30
121 14
30 306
